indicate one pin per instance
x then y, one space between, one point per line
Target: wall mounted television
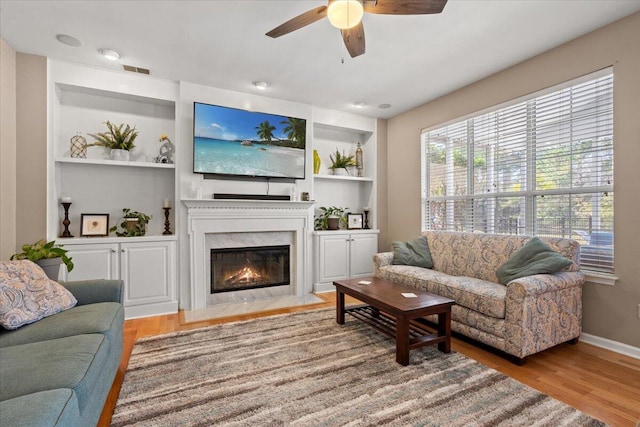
233 143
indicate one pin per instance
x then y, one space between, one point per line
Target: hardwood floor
601 383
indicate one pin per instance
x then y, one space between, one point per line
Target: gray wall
31 153
609 311
7 150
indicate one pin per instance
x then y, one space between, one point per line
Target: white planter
340 171
121 155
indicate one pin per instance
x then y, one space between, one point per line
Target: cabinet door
334 257
94 261
148 271
363 247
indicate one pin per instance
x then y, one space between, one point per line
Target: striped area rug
303 369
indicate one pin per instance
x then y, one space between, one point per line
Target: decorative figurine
166 150
359 163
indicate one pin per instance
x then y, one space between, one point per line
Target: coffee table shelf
419 334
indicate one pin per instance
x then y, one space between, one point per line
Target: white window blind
540 166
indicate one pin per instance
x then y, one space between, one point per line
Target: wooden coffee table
391 313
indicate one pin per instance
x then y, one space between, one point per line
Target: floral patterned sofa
528 315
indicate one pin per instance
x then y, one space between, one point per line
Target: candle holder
366 218
66 222
167 223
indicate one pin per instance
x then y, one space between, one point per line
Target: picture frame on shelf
354 221
94 225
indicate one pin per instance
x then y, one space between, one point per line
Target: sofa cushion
480 295
535 257
72 362
414 252
27 294
57 408
103 318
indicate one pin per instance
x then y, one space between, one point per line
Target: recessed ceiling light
68 40
261 85
384 106
110 54
359 104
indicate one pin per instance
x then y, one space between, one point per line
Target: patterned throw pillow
28 295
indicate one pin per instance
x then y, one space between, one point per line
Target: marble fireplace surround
206 218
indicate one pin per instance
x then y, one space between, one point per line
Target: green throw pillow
414 252
535 257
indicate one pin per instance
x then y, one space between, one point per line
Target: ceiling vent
135 69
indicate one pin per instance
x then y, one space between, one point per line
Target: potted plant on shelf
330 218
47 255
341 163
132 223
118 140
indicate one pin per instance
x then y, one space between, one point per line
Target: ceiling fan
346 15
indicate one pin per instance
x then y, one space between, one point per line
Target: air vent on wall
135 69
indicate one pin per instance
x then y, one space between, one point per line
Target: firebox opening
234 269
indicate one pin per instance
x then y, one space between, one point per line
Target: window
540 166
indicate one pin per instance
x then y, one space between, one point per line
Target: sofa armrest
542 310
94 291
381 259
542 283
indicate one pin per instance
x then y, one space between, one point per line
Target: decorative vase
121 155
316 162
333 223
51 266
79 147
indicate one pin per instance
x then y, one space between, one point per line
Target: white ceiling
409 60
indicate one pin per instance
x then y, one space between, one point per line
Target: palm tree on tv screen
295 131
265 131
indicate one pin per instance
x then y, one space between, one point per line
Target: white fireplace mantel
247 216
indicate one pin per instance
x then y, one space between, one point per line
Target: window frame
530 193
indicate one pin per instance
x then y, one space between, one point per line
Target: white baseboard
147 310
323 287
618 347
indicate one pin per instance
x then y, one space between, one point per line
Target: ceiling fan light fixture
110 54
344 14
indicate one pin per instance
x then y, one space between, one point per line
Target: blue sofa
58 371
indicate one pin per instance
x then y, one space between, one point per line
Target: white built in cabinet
343 254
147 265
81 100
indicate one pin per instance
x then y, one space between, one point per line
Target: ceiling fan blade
354 39
404 7
299 21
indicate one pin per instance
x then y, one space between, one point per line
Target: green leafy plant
43 249
132 223
322 220
116 138
341 161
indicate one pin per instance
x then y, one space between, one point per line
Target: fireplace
234 269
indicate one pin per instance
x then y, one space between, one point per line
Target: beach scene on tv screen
237 142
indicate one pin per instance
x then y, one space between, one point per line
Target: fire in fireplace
234 269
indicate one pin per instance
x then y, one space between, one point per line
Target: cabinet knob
122 250
113 251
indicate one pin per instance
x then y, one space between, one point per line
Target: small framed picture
94 225
354 221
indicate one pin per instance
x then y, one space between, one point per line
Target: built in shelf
343 178
115 163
